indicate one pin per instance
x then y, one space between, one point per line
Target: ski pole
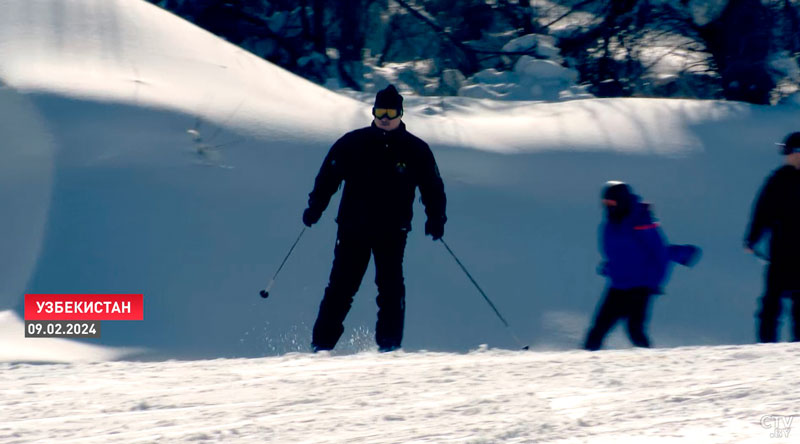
265 292
464 269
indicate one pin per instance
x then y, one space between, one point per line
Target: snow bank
538 77
134 52
14 347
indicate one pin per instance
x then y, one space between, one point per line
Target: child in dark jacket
636 262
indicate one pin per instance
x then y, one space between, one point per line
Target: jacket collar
399 130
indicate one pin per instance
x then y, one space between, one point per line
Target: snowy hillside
145 155
141 154
686 395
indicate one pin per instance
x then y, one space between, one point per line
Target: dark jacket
777 211
381 171
634 249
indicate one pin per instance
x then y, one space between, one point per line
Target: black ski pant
351 257
781 282
631 304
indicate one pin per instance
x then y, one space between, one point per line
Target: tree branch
469 51
568 13
435 26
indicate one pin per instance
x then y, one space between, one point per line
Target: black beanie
617 191
791 143
622 194
389 98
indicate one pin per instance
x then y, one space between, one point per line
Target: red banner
84 307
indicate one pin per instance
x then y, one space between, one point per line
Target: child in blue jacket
636 262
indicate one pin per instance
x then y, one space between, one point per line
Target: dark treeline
743 50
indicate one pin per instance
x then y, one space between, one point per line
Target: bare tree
739 40
612 51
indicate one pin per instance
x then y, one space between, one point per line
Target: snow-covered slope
26 181
148 156
686 395
134 52
142 155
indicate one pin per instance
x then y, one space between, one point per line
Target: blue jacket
634 250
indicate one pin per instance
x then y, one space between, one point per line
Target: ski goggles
391 113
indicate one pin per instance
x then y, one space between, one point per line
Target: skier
777 211
636 262
381 167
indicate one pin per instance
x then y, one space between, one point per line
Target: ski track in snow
717 394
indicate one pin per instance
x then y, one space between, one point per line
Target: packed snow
144 155
731 394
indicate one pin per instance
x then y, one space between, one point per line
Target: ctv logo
780 425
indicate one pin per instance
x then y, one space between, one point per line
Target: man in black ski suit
777 210
381 166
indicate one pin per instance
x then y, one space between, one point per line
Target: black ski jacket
777 210
381 170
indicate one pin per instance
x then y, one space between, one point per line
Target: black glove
310 217
435 228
